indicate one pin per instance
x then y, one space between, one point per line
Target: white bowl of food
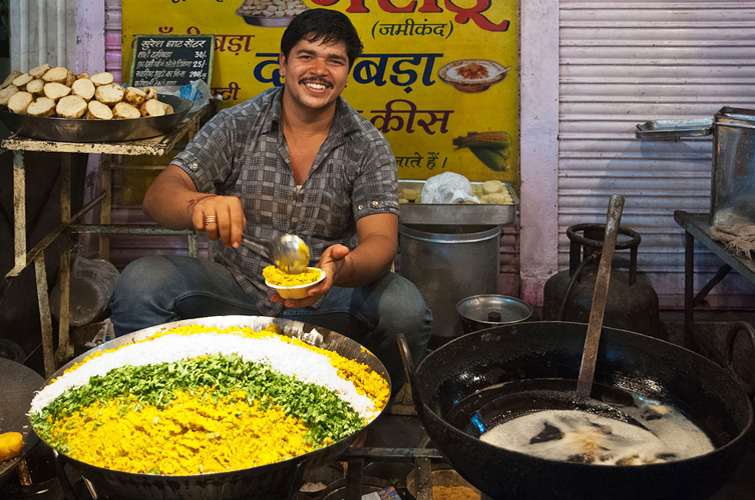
472 75
292 286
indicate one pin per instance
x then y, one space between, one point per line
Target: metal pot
707 394
274 481
484 311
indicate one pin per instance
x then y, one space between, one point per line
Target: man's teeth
317 86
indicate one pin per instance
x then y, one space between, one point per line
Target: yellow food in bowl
292 286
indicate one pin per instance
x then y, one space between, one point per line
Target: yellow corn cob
485 139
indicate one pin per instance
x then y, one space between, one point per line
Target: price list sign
171 60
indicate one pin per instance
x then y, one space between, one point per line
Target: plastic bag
448 187
197 91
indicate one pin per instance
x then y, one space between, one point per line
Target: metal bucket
449 263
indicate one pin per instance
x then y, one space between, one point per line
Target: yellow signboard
437 77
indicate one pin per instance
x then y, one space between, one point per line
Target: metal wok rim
459 433
302 331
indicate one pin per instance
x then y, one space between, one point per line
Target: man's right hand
173 201
221 217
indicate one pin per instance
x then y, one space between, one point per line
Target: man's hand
333 258
221 217
173 201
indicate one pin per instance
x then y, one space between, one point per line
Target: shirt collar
344 123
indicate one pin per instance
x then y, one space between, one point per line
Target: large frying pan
19 383
449 380
274 481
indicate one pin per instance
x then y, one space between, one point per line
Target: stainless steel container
449 263
500 214
732 198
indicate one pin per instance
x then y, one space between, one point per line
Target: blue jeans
161 289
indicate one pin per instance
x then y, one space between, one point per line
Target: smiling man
297 159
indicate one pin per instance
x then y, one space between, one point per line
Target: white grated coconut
288 359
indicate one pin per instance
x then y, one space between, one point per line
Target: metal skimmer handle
600 295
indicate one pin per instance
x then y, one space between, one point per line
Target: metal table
696 227
55 356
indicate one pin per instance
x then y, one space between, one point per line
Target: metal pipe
24 35
61 33
42 29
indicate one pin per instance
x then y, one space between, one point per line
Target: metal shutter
624 63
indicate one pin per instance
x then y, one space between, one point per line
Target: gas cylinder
631 305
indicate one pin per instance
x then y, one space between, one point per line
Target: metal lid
672 130
735 117
494 309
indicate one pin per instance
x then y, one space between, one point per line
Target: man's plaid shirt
242 152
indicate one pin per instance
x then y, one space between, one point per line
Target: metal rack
70 223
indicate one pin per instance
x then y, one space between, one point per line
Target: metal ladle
289 253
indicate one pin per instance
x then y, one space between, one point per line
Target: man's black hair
325 26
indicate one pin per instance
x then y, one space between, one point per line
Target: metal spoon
289 253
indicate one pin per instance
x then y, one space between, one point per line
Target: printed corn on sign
437 77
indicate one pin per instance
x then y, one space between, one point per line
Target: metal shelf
55 356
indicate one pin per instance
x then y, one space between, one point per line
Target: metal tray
457 214
671 130
82 130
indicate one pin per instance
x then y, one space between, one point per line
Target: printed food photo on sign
472 75
272 13
491 148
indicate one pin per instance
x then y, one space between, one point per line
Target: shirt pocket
334 218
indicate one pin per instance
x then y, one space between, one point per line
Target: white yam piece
151 92
6 94
499 198
83 88
9 79
153 107
40 70
108 94
70 78
71 106
98 111
125 110
101 79
44 106
489 187
134 96
36 87
82 75
19 102
58 74
55 90
22 80
168 109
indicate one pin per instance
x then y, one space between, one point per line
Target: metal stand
55 356
696 227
